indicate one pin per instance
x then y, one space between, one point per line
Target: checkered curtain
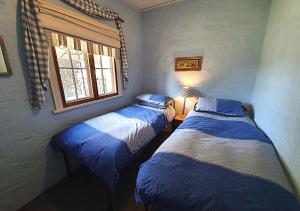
92 9
36 47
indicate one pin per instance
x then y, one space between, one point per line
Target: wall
27 163
276 95
229 34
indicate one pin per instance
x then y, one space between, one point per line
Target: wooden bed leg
67 165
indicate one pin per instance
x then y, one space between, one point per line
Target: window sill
57 111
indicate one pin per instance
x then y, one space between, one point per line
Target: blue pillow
220 106
151 104
153 100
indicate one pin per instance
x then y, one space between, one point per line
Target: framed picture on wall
5 69
188 63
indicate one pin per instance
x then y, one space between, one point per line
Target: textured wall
229 34
276 96
27 164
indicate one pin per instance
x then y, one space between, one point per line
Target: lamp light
185 92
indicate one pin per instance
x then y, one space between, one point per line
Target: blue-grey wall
276 96
229 34
27 164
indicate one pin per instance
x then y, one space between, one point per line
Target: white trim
134 5
57 111
154 6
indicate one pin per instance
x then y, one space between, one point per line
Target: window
85 70
84 57
74 75
106 82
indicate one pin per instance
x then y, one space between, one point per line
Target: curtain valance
74 43
92 9
55 18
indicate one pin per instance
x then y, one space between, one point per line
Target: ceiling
144 5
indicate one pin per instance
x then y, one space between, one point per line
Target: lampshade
186 92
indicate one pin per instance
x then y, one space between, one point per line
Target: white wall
276 96
229 34
27 163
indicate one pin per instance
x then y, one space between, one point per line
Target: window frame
56 18
94 88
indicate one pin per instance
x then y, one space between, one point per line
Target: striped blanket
213 162
108 144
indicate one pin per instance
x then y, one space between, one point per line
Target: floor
84 192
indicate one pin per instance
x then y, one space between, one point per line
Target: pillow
153 105
153 100
220 106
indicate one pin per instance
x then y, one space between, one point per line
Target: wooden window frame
92 70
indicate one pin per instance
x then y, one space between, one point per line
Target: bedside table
177 121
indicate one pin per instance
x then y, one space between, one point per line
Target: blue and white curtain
36 44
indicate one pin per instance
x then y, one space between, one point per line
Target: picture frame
5 69
188 63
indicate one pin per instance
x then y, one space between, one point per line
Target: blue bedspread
107 144
215 163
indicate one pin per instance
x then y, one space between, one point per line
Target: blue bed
213 162
109 143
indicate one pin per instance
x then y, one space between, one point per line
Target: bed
109 143
215 162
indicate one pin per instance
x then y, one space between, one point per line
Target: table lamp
185 92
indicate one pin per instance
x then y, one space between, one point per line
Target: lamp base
183 108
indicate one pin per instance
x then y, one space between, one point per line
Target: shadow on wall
54 166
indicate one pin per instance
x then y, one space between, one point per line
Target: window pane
100 82
81 80
76 84
68 84
63 58
97 61
75 77
108 80
102 61
78 60
106 61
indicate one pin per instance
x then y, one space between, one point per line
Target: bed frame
68 167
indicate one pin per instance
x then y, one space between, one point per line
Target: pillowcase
153 105
220 106
153 100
